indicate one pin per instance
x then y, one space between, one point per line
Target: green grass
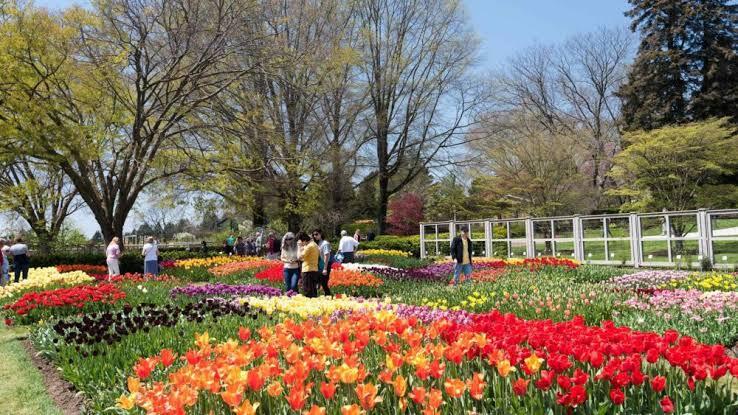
22 389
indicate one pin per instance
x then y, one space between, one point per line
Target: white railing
669 239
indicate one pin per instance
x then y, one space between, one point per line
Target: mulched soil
61 391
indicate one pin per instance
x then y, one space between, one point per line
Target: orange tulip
351 410
367 393
328 389
504 368
399 385
454 387
246 408
275 389
297 397
435 398
167 357
417 395
477 386
315 410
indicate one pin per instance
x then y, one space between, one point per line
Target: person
325 260
113 254
204 247
151 254
250 247
370 236
309 258
226 250
240 247
291 264
357 236
230 241
272 246
347 246
258 242
5 267
461 252
20 259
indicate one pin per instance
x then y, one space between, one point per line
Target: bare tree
569 89
416 56
39 194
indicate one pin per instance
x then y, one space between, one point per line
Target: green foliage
402 243
676 167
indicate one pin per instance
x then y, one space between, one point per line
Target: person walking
347 246
325 261
5 266
461 252
309 258
272 246
21 262
112 252
150 253
290 260
240 247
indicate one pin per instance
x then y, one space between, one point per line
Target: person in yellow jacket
310 271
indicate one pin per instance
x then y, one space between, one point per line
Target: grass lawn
22 389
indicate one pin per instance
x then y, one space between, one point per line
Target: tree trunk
382 200
258 213
45 240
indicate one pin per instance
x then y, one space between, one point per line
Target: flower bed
304 307
712 281
380 362
75 297
344 278
90 269
224 290
133 277
111 327
40 278
383 252
646 280
207 262
242 265
274 273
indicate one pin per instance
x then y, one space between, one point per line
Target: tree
686 68
446 199
570 89
533 172
39 194
107 95
405 214
416 57
678 167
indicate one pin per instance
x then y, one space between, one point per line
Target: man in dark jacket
461 252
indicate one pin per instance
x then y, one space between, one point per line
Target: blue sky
503 26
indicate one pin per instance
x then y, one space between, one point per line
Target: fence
668 239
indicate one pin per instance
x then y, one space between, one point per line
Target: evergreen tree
715 55
657 88
687 63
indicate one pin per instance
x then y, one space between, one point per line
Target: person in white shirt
347 246
151 257
21 264
4 251
113 254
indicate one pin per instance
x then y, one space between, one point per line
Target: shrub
400 243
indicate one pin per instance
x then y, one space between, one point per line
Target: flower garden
546 336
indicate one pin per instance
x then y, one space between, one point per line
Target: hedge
402 243
129 262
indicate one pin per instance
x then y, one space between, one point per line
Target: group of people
309 257
251 246
21 260
149 252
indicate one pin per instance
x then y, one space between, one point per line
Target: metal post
704 230
487 239
578 235
422 241
530 245
635 239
